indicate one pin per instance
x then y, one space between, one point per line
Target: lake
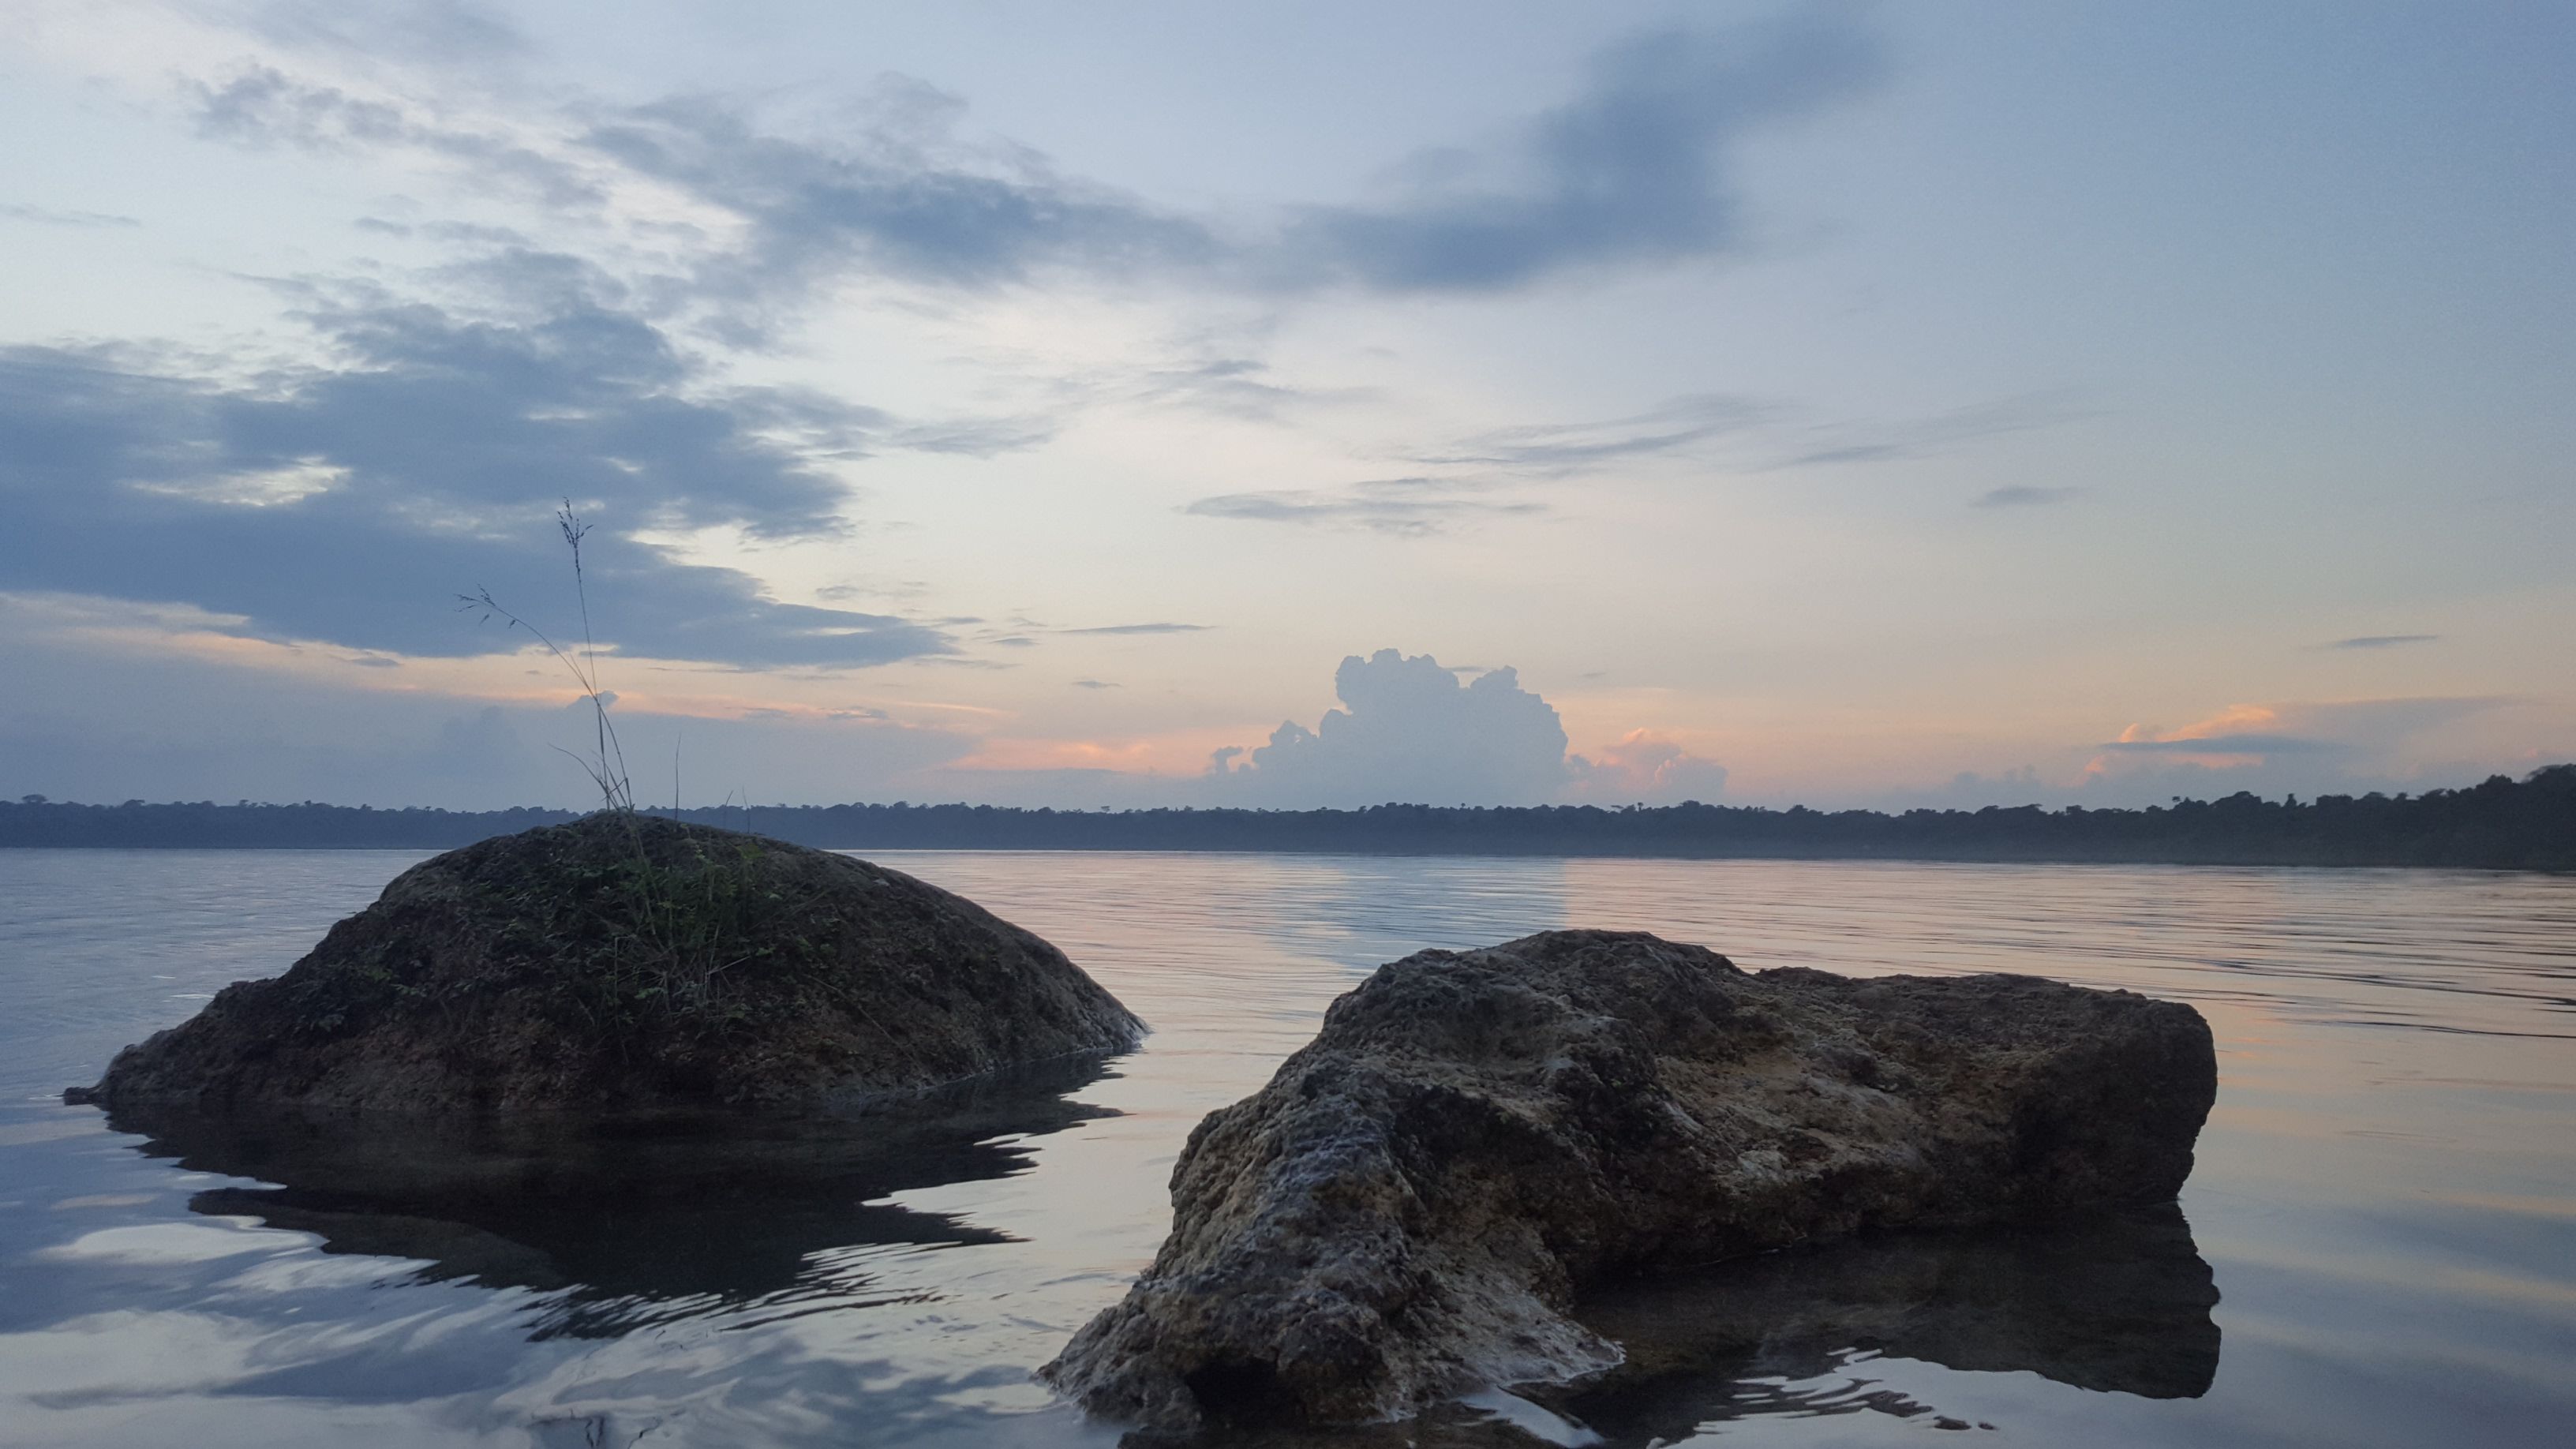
2384 1208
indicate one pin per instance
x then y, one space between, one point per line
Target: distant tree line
2502 824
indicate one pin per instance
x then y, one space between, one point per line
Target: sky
1934 404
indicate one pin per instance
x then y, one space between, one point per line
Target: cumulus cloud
1411 731
1645 768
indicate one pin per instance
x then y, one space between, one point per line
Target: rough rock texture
1410 1206
626 962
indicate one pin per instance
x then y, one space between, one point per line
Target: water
2385 1203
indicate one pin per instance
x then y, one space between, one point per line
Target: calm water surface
2385 1201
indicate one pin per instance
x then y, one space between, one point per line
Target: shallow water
2384 1208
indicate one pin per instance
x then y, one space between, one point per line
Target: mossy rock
626 962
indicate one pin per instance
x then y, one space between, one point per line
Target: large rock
1410 1207
630 963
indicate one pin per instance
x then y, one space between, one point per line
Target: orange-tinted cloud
1646 766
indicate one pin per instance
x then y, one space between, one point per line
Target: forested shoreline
2503 823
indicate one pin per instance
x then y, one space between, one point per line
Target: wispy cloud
1151 628
1941 432
46 216
2020 495
2302 728
2224 744
262 106
1748 434
1236 386
1557 449
2380 641
905 199
1631 170
448 31
1402 507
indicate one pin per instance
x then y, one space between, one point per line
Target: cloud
1239 387
1094 684
1557 449
1402 507
1631 170
1153 628
1940 433
2380 641
1757 434
349 503
1628 171
2224 744
2019 495
113 723
902 198
439 30
2346 746
262 107
1410 731
46 216
1646 768
973 437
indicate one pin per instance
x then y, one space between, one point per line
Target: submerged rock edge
1409 1208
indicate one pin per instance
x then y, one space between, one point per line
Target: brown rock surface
631 963
1409 1208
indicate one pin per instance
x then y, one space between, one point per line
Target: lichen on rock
1411 1206
626 962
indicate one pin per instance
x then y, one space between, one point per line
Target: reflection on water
2386 1191
626 1224
2116 1304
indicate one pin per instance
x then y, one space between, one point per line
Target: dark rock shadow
628 1221
2116 1303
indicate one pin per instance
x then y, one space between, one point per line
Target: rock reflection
628 1222
2117 1303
